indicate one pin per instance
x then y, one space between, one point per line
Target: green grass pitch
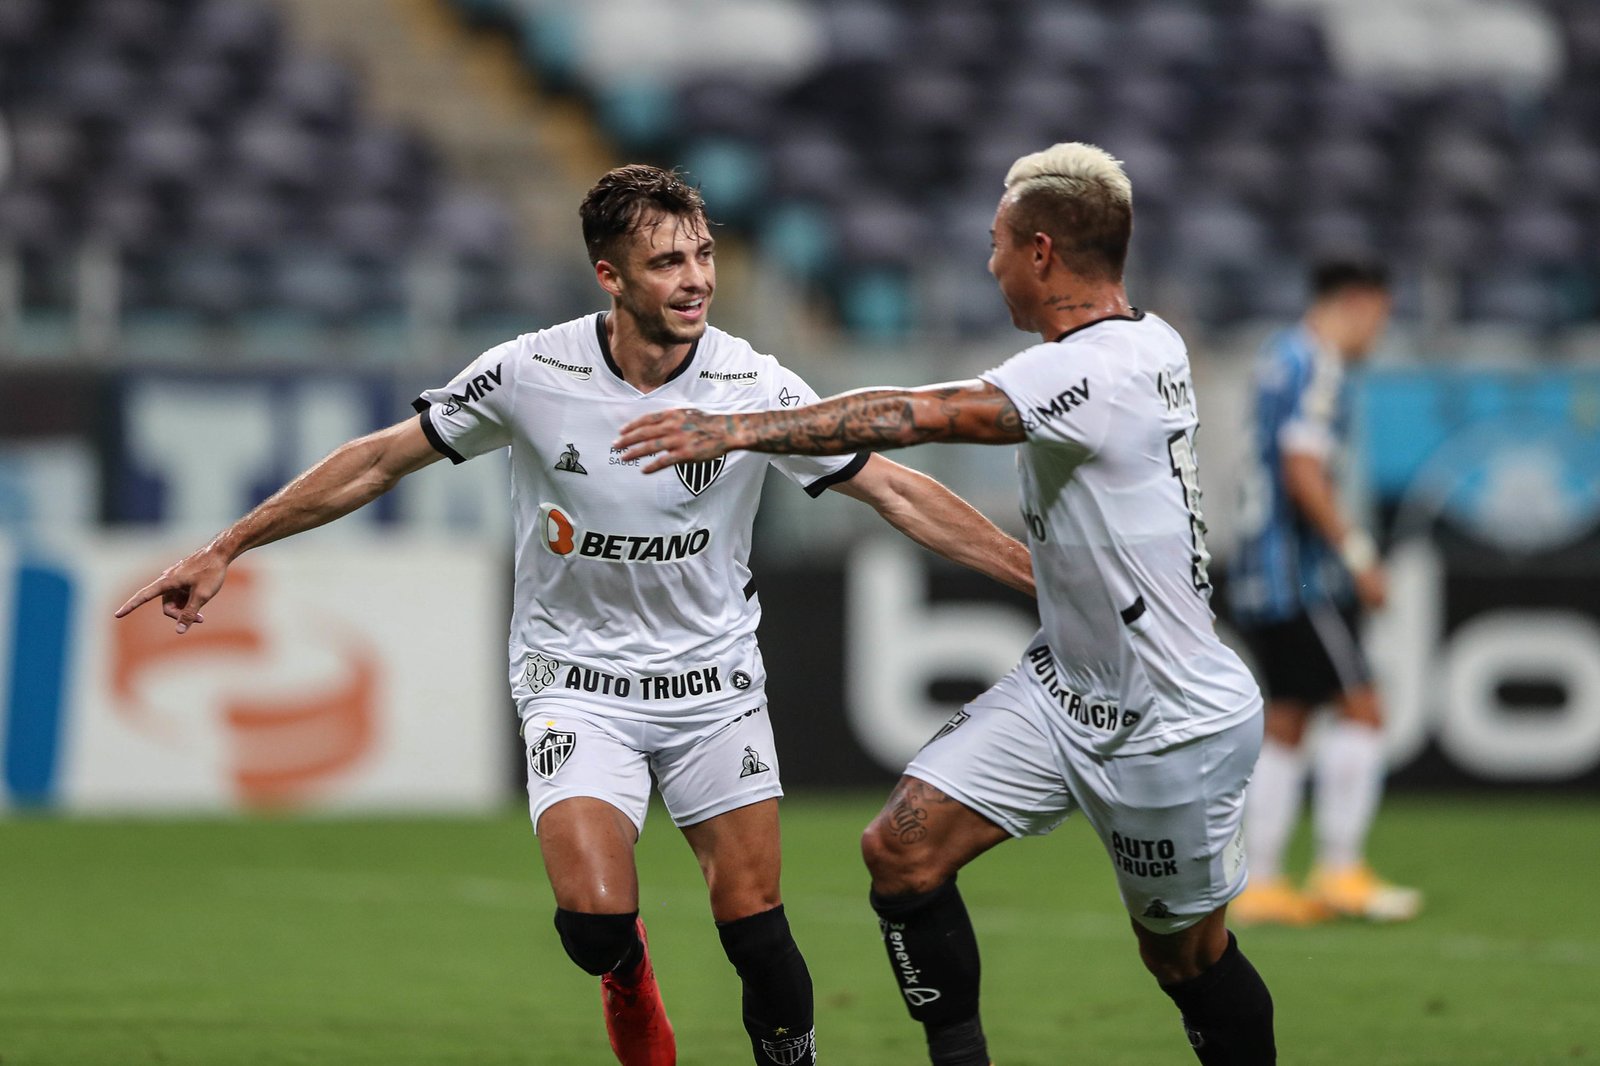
429 941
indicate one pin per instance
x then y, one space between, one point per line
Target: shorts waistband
545 676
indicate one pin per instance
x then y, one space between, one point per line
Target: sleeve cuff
1305 438
438 442
844 473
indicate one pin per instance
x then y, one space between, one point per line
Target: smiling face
664 276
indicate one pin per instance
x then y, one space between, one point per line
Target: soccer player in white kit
1126 706
633 639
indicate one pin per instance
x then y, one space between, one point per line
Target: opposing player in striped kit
1300 580
633 645
1126 706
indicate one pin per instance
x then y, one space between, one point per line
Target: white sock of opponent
1272 807
1348 782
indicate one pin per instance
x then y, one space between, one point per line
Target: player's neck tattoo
1066 301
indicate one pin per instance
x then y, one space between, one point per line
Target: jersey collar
605 351
1137 316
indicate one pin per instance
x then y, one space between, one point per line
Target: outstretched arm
940 521
874 419
352 475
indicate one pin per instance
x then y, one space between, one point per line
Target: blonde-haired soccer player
1125 706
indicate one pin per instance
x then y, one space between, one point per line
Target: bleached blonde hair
1081 197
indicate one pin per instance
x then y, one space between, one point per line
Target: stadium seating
233 175
1258 133
858 143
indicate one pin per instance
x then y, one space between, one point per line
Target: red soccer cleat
636 1020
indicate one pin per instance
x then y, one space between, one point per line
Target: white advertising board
328 675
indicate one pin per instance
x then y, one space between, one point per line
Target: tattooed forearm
882 418
859 420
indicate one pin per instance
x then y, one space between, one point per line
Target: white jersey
633 593
1111 496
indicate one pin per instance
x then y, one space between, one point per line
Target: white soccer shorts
701 771
1171 820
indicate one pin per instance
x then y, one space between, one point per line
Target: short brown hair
1080 196
617 204
1331 276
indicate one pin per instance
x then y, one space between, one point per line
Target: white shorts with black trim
701 770
1171 821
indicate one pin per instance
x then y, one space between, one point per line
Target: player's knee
737 888
1364 709
1182 956
883 854
1286 725
898 867
597 942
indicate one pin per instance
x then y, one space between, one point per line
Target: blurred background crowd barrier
234 233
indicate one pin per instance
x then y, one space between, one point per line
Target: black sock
934 954
1227 1012
627 968
958 1044
778 1012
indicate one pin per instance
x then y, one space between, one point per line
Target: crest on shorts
551 752
538 670
697 477
790 1050
752 764
956 721
1157 909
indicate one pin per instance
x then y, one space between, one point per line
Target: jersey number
1180 449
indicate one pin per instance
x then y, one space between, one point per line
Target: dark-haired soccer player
633 643
1298 582
1126 706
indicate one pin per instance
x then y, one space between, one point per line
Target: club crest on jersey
956 721
551 752
752 764
538 671
569 461
787 1052
697 477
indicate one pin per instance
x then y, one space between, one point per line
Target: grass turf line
429 941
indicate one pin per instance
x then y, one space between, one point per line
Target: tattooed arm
873 419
